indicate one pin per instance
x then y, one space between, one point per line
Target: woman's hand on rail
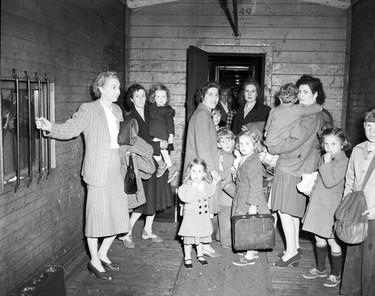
43 124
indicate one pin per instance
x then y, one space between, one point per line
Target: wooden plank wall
71 41
305 39
362 70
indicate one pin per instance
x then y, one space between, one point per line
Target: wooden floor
290 281
156 269
149 269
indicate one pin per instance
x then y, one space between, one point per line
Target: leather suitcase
253 232
50 281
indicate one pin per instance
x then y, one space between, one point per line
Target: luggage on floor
253 232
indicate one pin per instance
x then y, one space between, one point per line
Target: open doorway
230 69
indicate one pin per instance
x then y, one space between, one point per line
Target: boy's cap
256 127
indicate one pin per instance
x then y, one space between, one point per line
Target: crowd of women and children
233 147
289 141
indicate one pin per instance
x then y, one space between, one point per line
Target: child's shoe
202 261
161 169
243 261
315 273
188 263
332 281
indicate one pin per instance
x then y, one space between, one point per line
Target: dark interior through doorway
232 70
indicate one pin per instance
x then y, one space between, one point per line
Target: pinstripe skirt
107 206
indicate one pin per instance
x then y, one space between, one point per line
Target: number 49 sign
244 11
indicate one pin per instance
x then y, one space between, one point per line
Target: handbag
137 198
253 232
130 181
350 225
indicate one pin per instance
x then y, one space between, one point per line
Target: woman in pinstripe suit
107 204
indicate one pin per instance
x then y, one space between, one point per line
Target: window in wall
26 156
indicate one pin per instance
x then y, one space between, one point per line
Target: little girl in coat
196 227
325 198
249 196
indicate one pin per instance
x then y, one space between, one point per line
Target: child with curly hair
196 227
161 127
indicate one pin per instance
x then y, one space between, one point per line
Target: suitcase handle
253 216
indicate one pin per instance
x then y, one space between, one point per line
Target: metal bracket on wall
30 97
233 21
236 33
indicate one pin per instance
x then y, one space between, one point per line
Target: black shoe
110 266
202 261
187 264
100 275
292 261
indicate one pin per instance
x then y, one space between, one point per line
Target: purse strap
131 165
368 173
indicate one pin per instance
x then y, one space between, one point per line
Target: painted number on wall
244 11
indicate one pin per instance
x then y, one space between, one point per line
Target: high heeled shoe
100 275
110 266
281 253
152 236
294 261
127 240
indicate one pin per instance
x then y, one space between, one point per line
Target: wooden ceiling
343 4
140 3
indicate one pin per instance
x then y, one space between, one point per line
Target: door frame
197 74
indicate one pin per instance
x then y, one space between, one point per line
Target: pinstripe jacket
91 120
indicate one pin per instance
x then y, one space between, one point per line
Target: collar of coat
339 156
202 106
